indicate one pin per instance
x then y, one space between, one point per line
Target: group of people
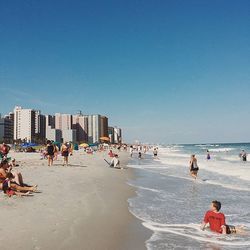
52 151
214 218
11 182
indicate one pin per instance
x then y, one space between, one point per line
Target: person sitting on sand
115 163
216 221
4 170
193 167
6 186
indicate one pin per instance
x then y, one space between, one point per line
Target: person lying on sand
4 170
217 223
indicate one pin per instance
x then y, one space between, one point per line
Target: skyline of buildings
30 125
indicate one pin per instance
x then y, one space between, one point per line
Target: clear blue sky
165 71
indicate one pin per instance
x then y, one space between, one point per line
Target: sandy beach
82 206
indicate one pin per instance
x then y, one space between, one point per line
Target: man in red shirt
216 220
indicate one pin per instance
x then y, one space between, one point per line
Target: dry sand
82 206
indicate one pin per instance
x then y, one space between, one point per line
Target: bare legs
25 189
18 178
50 160
65 160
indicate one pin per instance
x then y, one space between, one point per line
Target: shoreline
83 206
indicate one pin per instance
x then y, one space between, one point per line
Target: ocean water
172 204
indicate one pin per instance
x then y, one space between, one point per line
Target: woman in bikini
4 170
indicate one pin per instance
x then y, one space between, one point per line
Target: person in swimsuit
65 153
139 155
208 155
193 167
155 152
50 152
6 187
216 221
243 155
131 150
4 171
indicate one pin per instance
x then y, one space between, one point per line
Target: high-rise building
40 127
80 124
94 128
117 135
111 134
52 133
24 124
6 128
104 126
63 121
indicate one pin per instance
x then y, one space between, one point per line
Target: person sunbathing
17 182
6 187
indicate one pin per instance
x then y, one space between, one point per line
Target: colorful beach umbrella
104 138
84 145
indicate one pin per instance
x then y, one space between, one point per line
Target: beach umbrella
84 145
104 138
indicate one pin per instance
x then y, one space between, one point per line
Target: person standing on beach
193 167
155 152
243 155
208 155
65 153
50 153
131 150
139 155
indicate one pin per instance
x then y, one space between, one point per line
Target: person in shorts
193 167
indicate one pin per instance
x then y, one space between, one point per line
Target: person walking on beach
65 153
50 153
217 221
193 167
